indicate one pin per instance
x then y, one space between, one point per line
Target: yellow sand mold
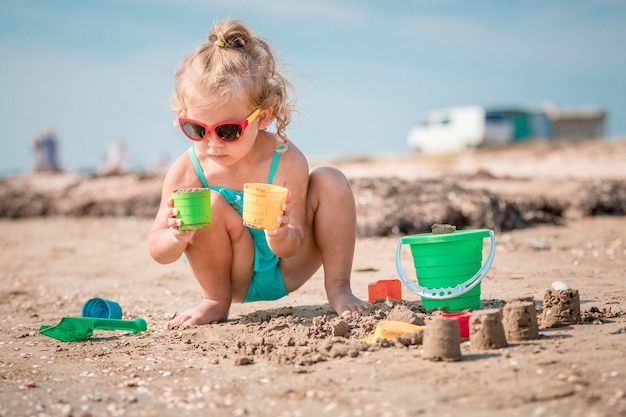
389 330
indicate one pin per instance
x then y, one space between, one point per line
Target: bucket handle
449 292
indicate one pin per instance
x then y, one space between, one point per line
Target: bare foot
344 303
208 311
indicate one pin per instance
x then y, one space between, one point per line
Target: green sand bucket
194 207
448 267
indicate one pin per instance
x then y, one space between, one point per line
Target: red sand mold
384 288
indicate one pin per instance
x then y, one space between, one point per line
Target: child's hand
173 223
283 220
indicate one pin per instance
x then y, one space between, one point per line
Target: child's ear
265 118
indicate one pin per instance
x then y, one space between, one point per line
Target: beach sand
293 357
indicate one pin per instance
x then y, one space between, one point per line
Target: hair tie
219 43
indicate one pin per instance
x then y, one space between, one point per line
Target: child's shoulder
182 163
292 152
293 163
181 171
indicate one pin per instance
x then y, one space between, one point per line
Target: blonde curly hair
234 62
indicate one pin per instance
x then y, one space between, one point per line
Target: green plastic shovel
72 329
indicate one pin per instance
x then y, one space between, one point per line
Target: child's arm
166 243
287 240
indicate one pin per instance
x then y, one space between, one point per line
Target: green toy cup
448 267
194 207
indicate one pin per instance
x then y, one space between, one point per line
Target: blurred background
98 74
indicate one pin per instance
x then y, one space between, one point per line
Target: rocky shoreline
385 205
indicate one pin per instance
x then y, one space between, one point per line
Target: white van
458 128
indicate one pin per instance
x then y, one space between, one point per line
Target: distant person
45 148
226 94
35 143
114 162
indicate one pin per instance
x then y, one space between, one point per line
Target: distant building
577 123
457 128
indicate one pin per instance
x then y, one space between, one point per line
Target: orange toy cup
262 203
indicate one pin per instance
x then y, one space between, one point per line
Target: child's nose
211 138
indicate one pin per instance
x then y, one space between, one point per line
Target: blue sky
365 71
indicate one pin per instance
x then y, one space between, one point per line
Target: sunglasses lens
229 132
193 131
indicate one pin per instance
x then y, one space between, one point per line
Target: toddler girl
226 94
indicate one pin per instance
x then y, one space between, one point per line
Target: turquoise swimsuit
267 280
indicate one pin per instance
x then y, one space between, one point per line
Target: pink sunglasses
227 131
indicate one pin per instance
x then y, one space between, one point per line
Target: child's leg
334 227
221 257
330 240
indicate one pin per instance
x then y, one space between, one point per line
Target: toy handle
449 292
135 325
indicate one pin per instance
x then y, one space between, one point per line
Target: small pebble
244 360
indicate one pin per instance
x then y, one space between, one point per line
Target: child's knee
329 187
222 210
330 179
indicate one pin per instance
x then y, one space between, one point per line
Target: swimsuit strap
198 168
270 179
196 165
